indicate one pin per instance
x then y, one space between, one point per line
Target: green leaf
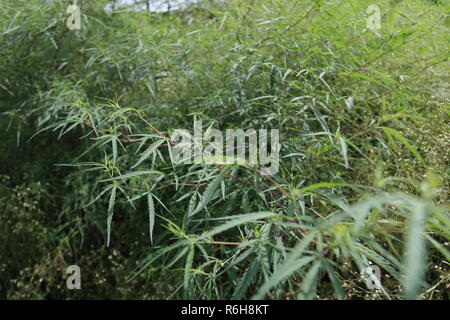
324 185
239 259
156 255
291 264
147 152
132 174
188 273
391 132
236 221
245 281
439 247
321 119
209 192
378 259
192 203
309 286
335 282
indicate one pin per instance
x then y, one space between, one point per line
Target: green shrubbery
87 178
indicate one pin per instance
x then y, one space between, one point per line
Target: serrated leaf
335 282
236 221
292 263
132 174
245 281
391 132
321 119
209 192
309 285
188 273
147 152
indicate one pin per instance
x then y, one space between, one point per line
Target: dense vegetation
86 176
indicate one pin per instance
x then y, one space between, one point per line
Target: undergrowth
87 177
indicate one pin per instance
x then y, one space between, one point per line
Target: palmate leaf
261 85
147 152
309 285
192 202
282 274
156 255
99 195
378 259
335 282
132 174
291 264
188 273
414 264
236 221
246 280
325 185
239 259
180 254
210 191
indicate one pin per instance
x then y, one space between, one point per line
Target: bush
89 117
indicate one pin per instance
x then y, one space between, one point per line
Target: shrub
102 102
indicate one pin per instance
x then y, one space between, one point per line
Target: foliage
88 180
